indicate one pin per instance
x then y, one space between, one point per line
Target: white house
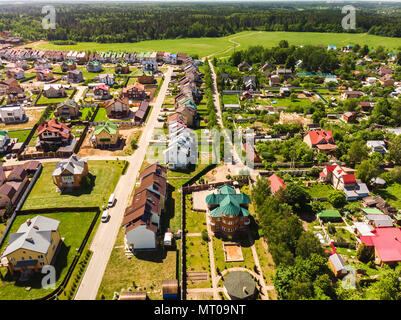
376 146
107 78
4 140
12 114
181 151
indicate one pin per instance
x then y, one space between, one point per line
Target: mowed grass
73 228
320 190
223 46
146 272
392 195
198 260
21 135
44 194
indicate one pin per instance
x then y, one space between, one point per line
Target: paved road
105 237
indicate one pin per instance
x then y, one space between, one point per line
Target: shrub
205 236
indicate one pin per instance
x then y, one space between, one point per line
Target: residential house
337 265
13 113
149 65
331 47
145 77
350 94
69 109
44 75
366 106
250 83
243 65
54 91
75 76
106 78
122 68
53 134
377 146
274 81
349 117
4 140
68 173
341 180
106 135
330 215
94 66
276 183
142 218
101 92
42 64
142 112
134 91
16 73
387 80
323 140
228 210
33 246
117 107
68 65
386 245
384 70
181 151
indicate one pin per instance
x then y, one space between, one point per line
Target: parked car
110 203
105 216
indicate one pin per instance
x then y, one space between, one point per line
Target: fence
20 203
183 252
206 186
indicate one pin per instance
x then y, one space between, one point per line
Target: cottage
376 146
33 246
122 68
322 140
94 66
181 151
101 92
52 134
117 107
13 113
68 173
276 183
106 135
228 211
68 109
44 75
250 83
16 73
134 91
146 77
106 78
387 80
337 265
75 76
4 140
350 95
54 91
68 65
274 81
349 117
330 215
366 106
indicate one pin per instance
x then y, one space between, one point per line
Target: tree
364 254
368 169
297 196
337 198
388 286
357 151
308 244
261 191
86 182
395 150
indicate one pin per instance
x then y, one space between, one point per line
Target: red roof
276 183
102 86
54 126
321 136
348 178
387 243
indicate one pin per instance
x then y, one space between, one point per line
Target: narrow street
106 234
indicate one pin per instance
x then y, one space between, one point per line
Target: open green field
144 272
198 261
392 195
223 46
44 194
20 134
73 227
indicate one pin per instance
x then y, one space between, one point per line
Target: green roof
3 134
329 214
235 283
228 202
109 127
146 73
371 211
226 189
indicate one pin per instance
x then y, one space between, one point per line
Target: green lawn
230 99
73 227
146 271
101 115
20 134
198 260
105 173
195 221
222 47
392 195
320 190
44 100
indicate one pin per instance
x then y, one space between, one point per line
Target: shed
170 289
337 264
330 215
127 295
371 211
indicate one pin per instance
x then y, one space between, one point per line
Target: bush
205 236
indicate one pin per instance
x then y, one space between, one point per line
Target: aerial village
105 172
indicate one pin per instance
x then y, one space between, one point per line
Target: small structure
377 146
68 173
240 286
330 215
170 289
276 183
129 295
94 66
337 265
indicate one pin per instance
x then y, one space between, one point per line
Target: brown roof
8 190
153 180
153 168
18 173
31 165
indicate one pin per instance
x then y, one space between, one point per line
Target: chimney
28 222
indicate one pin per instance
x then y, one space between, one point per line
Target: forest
133 22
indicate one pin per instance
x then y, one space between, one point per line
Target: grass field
392 195
20 134
73 227
143 273
223 46
44 194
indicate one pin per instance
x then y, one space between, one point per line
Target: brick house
68 173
